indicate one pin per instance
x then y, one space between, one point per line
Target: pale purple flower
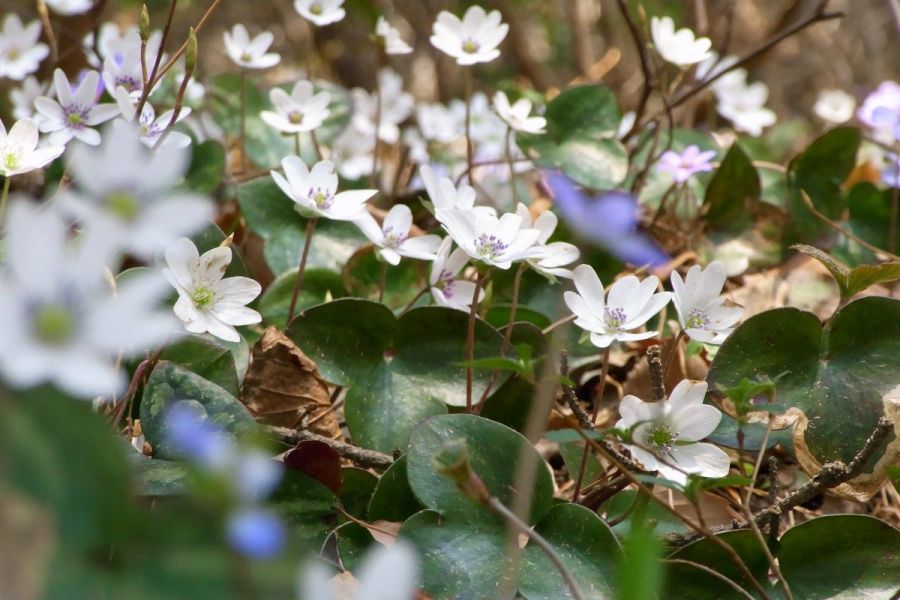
256 533
685 165
891 174
880 105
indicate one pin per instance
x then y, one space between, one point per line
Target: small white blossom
551 258
352 151
247 53
207 302
744 104
73 114
23 97
396 106
149 126
392 237
19 152
678 47
473 39
298 112
20 51
70 7
444 194
702 311
385 573
320 12
630 304
315 191
835 106
448 288
517 115
485 238
667 433
390 37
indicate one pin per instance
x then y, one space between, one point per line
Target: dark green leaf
733 192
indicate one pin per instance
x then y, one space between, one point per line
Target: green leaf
865 276
208 357
357 486
271 215
685 581
572 453
733 192
393 499
397 376
494 453
307 507
580 140
586 546
318 285
170 383
846 557
641 575
155 477
836 379
351 541
207 168
458 560
362 277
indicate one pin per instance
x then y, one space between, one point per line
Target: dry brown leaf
283 387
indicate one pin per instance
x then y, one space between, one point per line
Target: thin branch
819 215
361 456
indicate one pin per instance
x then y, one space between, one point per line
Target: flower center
75 116
246 56
697 319
295 117
11 161
131 84
470 46
316 8
123 205
391 239
661 438
54 324
489 246
202 297
322 198
615 318
13 53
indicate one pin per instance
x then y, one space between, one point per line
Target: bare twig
361 456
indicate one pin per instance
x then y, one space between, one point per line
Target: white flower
149 126
447 287
59 320
396 106
123 192
472 40
390 36
320 12
392 237
315 192
438 123
20 51
485 238
678 47
630 304
247 53
70 7
516 116
701 308
125 71
19 152
444 194
23 97
626 124
666 433
300 111
73 114
835 106
352 151
743 105
206 301
550 259
385 573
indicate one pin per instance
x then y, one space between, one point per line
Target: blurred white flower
702 310
73 113
438 123
517 114
385 573
550 259
59 320
247 53
630 304
743 105
392 237
300 111
474 39
678 47
123 192
497 242
667 433
390 37
396 106
320 12
626 124
70 7
23 97
149 126
207 302
352 150
687 163
835 106
447 287
19 152
20 51
315 191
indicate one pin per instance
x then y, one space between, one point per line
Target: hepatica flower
19 152
315 192
744 104
390 38
150 127
448 288
678 47
885 97
702 310
473 39
682 166
208 301
247 53
385 573
23 97
497 242
550 258
392 237
298 112
320 12
630 304
20 51
73 113
835 106
517 116
444 194
667 433
70 7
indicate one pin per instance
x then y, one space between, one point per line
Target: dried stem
657 376
597 400
361 456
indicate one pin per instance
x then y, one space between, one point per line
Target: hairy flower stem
598 398
297 146
507 333
5 196
510 134
243 133
470 338
383 282
470 148
151 77
298 283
